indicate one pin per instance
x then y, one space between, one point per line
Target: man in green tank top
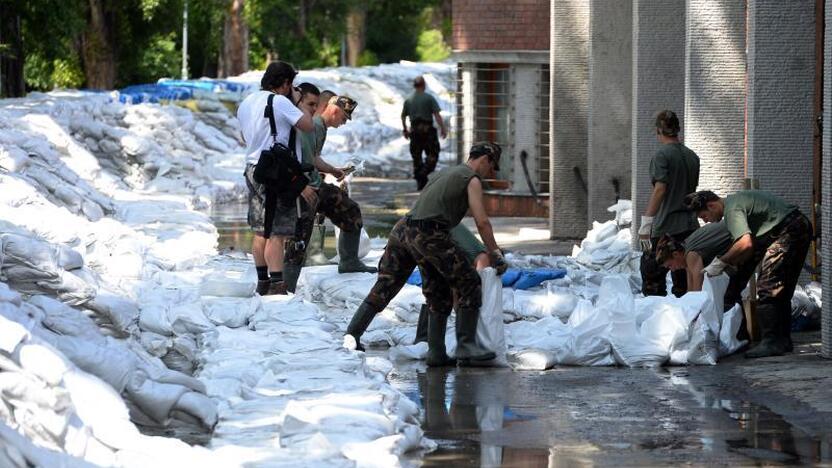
422 108
329 200
423 238
766 228
674 173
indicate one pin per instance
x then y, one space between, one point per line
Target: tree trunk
234 50
356 32
12 83
98 47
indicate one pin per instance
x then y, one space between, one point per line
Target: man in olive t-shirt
422 238
329 200
674 173
422 108
766 228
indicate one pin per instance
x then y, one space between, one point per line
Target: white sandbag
231 312
415 352
532 359
490 330
731 323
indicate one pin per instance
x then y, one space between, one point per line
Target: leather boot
437 355
348 249
290 276
262 287
468 351
276 288
771 343
359 323
422 326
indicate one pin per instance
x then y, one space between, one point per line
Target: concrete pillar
525 82
781 69
826 325
468 98
610 105
715 91
658 84
568 123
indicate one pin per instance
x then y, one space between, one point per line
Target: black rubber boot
290 276
422 326
771 343
437 355
262 287
348 249
359 323
468 351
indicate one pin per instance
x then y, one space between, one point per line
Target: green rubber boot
348 249
468 351
771 343
437 355
422 326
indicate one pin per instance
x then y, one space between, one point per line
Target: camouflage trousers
783 251
446 270
333 203
423 138
654 276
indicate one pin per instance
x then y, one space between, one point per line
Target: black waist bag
279 170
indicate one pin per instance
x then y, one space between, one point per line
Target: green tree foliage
147 36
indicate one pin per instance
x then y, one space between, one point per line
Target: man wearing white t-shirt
254 124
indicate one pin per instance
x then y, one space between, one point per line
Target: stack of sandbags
51 410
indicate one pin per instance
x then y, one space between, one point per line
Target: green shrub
431 47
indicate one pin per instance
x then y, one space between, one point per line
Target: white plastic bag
490 330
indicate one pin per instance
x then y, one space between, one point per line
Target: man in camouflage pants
423 239
766 228
331 201
422 108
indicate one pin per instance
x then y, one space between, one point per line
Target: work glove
644 232
498 261
716 267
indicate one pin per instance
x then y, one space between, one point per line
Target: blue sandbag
531 278
510 277
415 278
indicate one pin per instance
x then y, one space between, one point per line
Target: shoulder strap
292 140
269 114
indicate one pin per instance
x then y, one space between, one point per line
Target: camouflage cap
346 103
491 149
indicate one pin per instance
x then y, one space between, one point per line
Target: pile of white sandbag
52 410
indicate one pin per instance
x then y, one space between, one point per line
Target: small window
491 111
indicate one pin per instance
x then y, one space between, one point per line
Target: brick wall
500 25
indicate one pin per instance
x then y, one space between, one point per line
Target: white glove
716 267
646 226
644 232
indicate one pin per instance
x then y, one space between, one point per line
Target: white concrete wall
569 103
658 84
610 105
715 91
781 68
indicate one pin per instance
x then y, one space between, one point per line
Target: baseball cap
346 103
491 149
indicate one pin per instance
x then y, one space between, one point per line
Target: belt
426 223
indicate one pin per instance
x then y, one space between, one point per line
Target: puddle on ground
763 434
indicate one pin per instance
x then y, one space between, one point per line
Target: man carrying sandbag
766 228
422 238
